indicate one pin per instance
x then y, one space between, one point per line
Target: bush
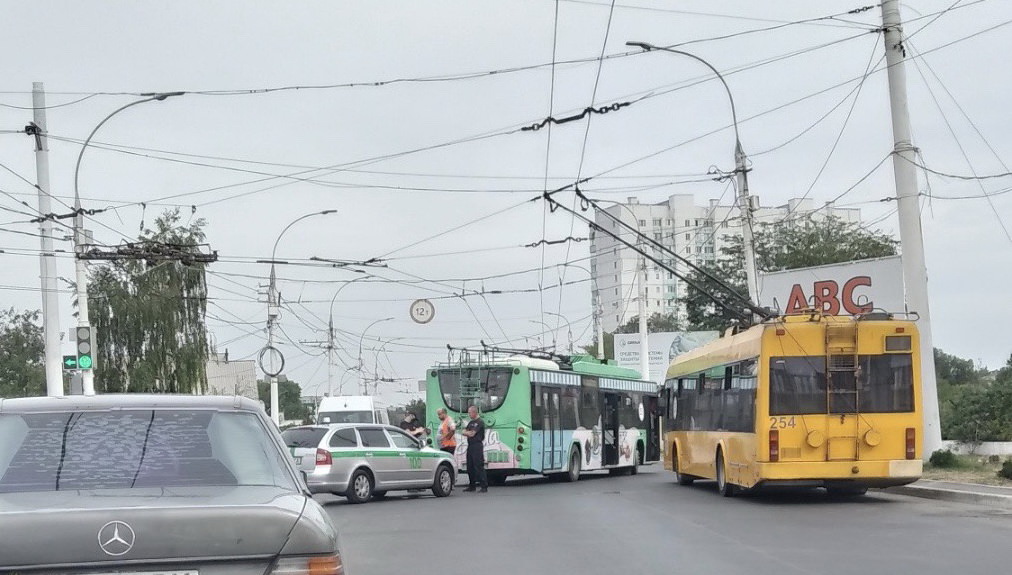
944 459
1006 469
994 459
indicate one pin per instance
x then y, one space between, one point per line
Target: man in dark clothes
411 425
475 433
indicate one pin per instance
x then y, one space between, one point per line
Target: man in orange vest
447 432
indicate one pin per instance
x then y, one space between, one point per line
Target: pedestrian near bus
447 432
475 433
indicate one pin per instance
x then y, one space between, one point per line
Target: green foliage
290 399
780 246
955 370
149 316
22 354
977 410
609 347
944 459
657 322
1006 469
417 406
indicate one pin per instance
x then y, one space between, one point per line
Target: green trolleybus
549 414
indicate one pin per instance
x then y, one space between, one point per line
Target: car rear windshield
124 449
304 437
327 417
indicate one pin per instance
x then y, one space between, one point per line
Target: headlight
315 565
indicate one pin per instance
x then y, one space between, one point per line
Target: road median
959 492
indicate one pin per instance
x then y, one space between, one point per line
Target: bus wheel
574 466
497 479
637 462
724 487
680 478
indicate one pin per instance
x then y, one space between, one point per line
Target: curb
957 495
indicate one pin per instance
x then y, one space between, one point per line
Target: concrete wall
1002 448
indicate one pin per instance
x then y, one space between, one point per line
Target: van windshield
327 417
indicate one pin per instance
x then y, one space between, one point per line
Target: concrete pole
47 259
915 277
644 344
745 209
599 326
272 318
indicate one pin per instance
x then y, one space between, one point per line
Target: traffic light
85 357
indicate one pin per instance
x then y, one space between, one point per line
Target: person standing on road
447 432
475 433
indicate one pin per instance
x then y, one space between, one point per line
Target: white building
695 232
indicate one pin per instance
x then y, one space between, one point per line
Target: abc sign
829 297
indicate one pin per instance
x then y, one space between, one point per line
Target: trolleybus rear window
884 384
485 388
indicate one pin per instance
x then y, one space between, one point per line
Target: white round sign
641 411
422 311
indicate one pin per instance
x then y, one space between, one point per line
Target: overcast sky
412 166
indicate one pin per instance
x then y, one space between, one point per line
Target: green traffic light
84 362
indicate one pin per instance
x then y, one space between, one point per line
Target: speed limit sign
422 311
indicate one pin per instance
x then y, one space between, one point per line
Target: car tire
573 474
360 487
680 478
724 487
442 485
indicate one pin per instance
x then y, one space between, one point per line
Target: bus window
797 385
485 388
885 383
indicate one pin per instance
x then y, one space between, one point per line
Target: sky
405 118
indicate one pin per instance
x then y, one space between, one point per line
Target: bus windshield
327 417
485 388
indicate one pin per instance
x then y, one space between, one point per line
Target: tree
22 354
657 322
780 246
149 316
417 406
289 398
609 347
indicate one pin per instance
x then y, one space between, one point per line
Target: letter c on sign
848 295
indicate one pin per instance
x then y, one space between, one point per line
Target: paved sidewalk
990 495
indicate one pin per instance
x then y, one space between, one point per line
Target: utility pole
745 209
644 344
599 324
272 320
915 277
47 260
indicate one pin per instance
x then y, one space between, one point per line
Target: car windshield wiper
63 446
144 448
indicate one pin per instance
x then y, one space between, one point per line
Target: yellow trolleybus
807 400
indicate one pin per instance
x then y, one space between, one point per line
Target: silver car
145 484
362 461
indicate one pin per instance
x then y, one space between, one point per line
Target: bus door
609 421
653 428
552 436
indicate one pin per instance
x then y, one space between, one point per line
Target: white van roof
347 403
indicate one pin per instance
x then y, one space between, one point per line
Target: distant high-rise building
693 231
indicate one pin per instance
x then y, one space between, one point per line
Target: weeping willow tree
149 315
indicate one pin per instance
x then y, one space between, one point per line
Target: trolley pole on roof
915 278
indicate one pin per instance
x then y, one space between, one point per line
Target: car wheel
360 487
680 478
443 484
724 487
574 466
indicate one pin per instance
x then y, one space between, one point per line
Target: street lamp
273 303
87 375
375 366
744 201
569 328
360 341
331 346
548 329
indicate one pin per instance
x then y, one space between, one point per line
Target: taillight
317 565
774 445
911 442
323 457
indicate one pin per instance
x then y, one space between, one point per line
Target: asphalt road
648 524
